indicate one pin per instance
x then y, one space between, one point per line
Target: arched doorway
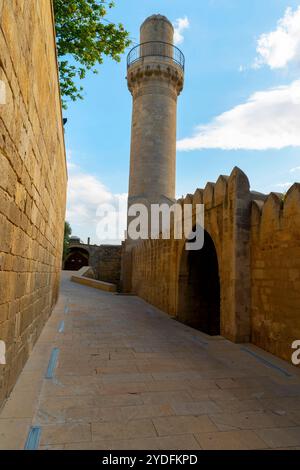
76 259
199 288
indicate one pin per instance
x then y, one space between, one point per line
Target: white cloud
269 119
284 185
281 46
179 26
70 164
296 168
86 193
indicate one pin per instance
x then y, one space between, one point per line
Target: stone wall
157 265
275 267
32 182
257 243
106 262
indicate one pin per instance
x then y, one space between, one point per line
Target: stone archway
199 288
227 210
76 259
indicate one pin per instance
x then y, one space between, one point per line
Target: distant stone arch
199 288
76 259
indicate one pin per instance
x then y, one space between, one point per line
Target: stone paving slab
284 437
230 440
130 377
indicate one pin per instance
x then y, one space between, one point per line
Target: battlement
230 193
277 212
234 186
269 212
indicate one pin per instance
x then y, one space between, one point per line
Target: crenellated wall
256 239
275 268
158 264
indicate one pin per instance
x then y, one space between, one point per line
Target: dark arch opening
199 288
76 259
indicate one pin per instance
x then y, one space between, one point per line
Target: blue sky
240 104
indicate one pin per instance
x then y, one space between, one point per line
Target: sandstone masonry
256 239
32 179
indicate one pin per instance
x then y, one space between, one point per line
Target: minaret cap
157 17
157 28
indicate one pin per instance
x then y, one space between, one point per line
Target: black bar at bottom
136 459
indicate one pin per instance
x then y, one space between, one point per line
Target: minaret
155 79
155 70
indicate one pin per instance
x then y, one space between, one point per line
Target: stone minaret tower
155 70
155 79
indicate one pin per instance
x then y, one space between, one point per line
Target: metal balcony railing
156 49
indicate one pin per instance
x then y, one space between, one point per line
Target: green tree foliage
84 37
67 234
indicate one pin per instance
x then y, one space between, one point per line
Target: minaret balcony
155 49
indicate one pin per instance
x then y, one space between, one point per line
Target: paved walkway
130 377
